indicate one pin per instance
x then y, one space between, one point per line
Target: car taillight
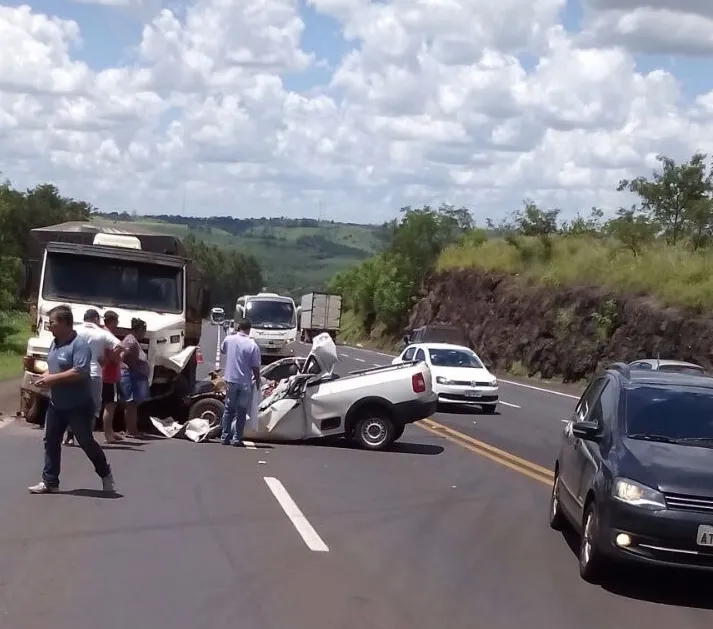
418 383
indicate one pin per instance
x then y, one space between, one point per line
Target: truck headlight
35 365
638 495
442 380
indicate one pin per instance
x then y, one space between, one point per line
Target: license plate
705 535
472 393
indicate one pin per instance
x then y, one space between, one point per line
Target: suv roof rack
622 368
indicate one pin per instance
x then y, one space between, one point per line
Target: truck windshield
112 282
271 314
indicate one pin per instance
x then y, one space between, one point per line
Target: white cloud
671 27
465 101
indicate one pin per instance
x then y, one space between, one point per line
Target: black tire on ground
374 430
207 408
489 408
557 520
592 563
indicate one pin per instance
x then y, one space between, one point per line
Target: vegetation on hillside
296 255
382 290
662 246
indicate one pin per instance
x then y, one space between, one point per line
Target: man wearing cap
101 343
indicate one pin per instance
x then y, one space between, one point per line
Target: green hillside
296 255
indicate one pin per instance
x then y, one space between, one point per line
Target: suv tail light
418 384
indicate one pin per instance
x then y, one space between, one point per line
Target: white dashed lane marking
304 528
508 404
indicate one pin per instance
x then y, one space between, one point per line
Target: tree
632 229
672 196
382 289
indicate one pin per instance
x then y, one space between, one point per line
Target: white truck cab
273 319
143 275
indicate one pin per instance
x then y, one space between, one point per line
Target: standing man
242 364
71 402
111 373
104 346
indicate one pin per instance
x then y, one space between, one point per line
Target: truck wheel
374 430
207 408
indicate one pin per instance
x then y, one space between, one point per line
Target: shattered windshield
264 314
113 282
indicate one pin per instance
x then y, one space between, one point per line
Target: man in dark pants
71 402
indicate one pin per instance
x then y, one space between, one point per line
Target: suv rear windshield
672 413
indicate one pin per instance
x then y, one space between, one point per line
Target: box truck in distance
319 312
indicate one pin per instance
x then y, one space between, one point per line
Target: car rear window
673 412
687 369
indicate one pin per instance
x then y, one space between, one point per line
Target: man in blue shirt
242 364
71 402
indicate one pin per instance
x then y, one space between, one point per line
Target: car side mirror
586 430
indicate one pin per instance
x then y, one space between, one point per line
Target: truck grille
686 502
470 383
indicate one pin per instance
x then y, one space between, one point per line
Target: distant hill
296 255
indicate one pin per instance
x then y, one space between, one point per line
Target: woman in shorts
134 380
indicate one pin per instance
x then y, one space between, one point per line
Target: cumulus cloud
671 27
463 101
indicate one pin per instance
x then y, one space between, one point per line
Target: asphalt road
312 536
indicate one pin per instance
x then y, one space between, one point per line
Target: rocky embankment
566 333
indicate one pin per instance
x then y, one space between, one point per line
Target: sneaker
108 484
43 488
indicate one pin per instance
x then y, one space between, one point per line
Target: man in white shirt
100 340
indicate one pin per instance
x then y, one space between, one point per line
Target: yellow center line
523 466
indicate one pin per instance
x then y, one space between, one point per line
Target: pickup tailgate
407 386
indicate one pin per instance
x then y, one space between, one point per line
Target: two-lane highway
528 423
306 536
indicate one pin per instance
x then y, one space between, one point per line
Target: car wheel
556 515
207 408
592 564
374 431
489 408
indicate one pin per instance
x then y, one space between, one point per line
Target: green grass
674 275
289 264
351 332
13 349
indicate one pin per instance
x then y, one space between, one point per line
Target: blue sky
405 162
